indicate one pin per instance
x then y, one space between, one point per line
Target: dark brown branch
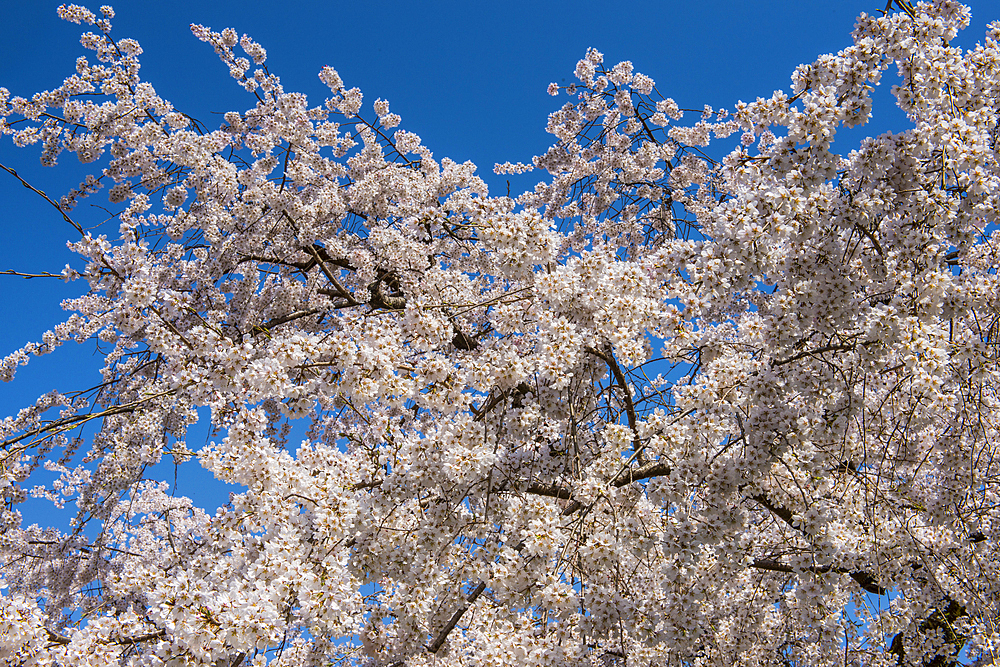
781 512
270 324
549 490
326 257
494 400
648 471
863 579
809 353
462 340
436 645
776 566
867 582
56 638
939 621
341 290
379 298
149 636
609 359
625 477
63 640
312 251
871 237
301 266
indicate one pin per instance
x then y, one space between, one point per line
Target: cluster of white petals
661 409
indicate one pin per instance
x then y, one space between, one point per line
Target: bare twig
43 274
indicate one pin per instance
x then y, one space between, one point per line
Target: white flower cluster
659 409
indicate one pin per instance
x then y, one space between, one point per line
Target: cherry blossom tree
690 401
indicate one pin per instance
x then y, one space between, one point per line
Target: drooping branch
809 353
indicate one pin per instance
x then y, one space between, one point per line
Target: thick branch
549 490
625 477
270 324
462 340
56 638
316 249
648 471
379 298
495 399
781 512
341 290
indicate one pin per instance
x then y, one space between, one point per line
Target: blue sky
468 77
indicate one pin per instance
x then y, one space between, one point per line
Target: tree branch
44 196
863 579
44 274
63 640
270 324
625 477
71 422
647 471
341 290
436 645
808 353
379 299
609 358
549 490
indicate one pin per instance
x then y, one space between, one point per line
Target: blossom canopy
710 393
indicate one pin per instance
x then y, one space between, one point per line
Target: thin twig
44 274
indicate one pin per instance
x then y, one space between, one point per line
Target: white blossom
661 408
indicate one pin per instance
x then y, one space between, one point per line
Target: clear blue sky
469 77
